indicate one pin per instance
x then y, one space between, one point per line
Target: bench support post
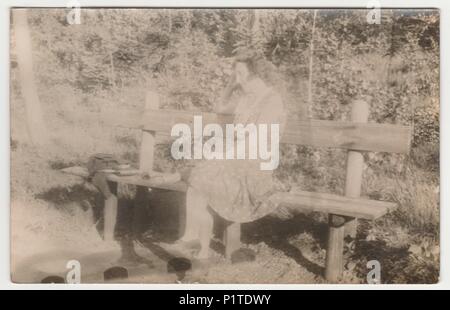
335 248
110 214
355 165
340 226
232 238
146 155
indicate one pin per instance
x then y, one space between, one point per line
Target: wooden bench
356 136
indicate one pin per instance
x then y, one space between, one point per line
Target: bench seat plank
301 200
134 179
335 204
179 186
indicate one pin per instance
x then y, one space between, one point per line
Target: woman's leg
206 230
199 221
194 202
191 229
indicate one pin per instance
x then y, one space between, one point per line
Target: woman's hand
223 105
232 84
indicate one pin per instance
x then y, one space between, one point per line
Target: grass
418 203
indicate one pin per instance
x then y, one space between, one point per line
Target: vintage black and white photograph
225 145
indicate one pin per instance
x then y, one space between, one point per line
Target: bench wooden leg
182 220
139 211
110 214
232 239
335 248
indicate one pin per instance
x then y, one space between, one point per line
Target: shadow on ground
154 218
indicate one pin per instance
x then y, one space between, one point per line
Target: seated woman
237 189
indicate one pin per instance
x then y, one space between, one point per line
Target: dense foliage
185 55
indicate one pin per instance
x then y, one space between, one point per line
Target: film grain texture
224 145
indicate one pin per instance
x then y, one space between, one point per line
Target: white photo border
5 5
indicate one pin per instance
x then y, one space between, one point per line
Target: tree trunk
254 21
36 128
311 54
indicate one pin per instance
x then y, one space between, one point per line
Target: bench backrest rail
350 135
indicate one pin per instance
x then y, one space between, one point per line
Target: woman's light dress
237 189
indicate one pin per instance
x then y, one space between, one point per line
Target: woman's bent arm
224 105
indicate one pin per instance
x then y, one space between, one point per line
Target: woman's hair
258 66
